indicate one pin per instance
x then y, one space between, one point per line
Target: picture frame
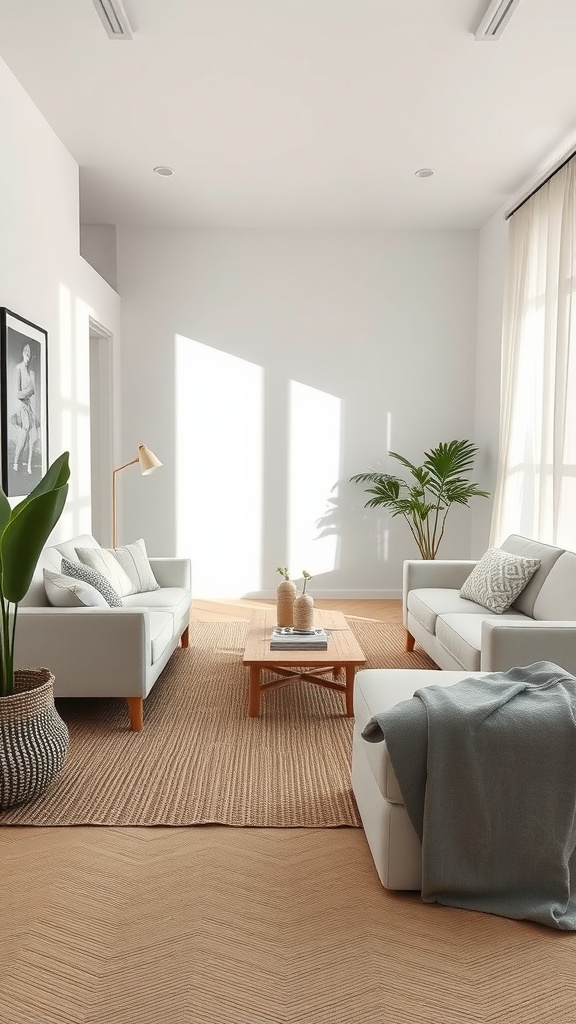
23 403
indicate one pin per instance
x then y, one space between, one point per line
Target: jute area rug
200 759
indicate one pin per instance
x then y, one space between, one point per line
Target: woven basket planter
33 738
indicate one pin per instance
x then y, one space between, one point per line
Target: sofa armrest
446 574
508 644
172 572
104 652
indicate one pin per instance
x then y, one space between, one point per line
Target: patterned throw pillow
498 579
103 561
66 592
88 575
134 560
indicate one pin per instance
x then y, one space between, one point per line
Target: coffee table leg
254 692
350 672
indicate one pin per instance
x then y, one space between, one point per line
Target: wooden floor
221 611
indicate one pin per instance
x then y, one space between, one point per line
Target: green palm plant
24 531
424 503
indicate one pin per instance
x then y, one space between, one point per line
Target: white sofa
105 652
394 845
460 634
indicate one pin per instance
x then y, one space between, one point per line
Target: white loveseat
103 651
460 634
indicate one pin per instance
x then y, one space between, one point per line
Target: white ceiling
299 112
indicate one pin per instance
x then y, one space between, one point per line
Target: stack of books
286 638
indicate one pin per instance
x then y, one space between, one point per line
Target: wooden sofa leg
184 639
136 712
410 641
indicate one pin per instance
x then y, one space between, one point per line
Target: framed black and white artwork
23 403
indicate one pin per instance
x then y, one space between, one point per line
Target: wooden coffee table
343 655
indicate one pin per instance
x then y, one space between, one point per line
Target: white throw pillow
102 560
65 592
134 560
498 579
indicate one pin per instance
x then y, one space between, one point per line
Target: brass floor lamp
148 463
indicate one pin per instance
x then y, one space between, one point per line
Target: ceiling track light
496 18
114 18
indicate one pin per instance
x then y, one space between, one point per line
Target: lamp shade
147 459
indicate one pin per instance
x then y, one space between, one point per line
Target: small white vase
285 597
304 612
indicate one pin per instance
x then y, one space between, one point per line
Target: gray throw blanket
487 770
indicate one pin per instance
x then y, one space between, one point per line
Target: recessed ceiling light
424 172
496 18
113 17
166 172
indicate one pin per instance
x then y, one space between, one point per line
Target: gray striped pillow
133 559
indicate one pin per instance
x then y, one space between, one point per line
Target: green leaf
24 537
5 511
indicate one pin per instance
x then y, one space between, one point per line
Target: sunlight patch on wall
314 470
219 468
82 407
69 398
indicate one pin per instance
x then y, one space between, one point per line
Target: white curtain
536 484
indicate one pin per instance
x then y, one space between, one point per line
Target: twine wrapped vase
304 612
33 738
285 597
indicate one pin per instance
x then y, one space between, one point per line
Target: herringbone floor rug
215 925
200 759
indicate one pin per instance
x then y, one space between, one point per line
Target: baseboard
332 595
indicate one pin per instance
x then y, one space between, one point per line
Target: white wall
377 330
44 279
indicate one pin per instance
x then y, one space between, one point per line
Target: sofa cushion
51 559
173 599
548 556
88 575
104 562
557 597
461 635
161 632
67 592
426 604
498 578
67 548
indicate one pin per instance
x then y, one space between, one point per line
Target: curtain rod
556 167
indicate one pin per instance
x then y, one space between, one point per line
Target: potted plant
33 737
424 503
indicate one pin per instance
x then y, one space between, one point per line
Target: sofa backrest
548 555
557 597
51 558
